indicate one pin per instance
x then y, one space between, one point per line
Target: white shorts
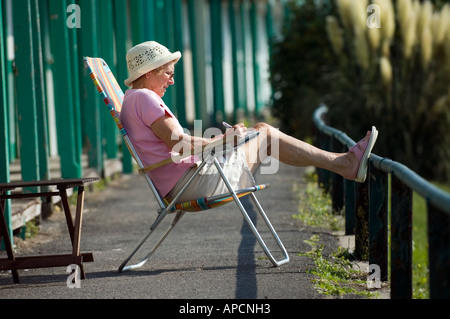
208 181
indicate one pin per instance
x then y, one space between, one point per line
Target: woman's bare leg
291 151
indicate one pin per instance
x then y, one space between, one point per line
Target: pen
226 125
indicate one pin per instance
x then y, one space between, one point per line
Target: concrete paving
209 255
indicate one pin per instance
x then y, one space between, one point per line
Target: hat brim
151 66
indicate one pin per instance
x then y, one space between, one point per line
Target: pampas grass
387 20
401 71
386 71
335 35
426 46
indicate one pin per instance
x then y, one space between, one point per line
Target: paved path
209 254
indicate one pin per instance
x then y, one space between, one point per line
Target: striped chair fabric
216 201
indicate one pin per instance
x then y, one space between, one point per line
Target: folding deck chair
112 96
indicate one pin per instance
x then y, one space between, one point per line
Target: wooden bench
14 263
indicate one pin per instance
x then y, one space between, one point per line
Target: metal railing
388 190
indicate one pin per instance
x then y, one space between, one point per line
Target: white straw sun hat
146 57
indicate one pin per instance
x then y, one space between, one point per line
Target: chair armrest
173 159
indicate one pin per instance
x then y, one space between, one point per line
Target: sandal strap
356 148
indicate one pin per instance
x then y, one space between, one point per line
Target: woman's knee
266 131
266 135
263 128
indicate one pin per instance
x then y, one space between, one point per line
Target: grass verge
335 275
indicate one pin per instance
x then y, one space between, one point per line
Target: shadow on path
246 286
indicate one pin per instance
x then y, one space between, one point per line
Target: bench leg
7 240
74 228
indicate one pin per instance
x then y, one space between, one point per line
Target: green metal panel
269 21
164 32
4 134
242 63
26 91
41 100
4 163
168 31
4 140
106 41
160 22
180 95
92 114
270 36
150 18
46 63
137 21
234 65
64 93
255 46
121 28
76 65
123 43
168 14
217 58
9 84
196 30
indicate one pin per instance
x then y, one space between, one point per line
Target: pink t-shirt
140 109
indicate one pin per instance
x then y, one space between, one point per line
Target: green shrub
297 63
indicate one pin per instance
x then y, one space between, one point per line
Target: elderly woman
156 134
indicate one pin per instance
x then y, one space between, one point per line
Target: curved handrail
431 193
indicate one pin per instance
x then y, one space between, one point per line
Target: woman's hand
236 132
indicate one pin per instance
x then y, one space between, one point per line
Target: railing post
438 252
349 194
337 181
401 240
323 142
378 219
362 220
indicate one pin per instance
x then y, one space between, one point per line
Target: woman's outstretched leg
292 151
